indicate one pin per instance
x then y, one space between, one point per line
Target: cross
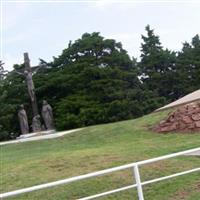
30 84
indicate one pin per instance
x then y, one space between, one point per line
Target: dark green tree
102 74
157 66
94 50
188 67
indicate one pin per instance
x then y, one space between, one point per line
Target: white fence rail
134 166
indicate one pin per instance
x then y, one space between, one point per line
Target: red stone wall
186 119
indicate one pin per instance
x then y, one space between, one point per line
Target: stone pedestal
36 134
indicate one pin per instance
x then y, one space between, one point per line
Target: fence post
138 182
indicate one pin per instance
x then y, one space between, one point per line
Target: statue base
28 135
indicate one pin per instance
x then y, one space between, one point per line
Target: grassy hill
96 148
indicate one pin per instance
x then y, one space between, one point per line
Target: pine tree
188 66
157 66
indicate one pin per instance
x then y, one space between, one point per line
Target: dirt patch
185 119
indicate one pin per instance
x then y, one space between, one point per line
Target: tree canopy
95 81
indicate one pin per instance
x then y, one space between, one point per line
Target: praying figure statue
23 120
47 115
36 124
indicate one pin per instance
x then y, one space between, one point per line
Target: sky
43 29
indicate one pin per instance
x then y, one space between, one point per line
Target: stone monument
47 115
23 121
36 124
30 85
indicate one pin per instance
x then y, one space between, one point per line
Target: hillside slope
96 148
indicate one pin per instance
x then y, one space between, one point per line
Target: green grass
100 147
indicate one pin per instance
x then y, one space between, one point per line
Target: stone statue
30 84
23 120
27 73
36 125
47 115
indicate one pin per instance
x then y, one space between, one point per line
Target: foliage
2 71
94 81
188 67
9 90
157 66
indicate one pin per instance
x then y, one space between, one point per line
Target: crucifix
30 85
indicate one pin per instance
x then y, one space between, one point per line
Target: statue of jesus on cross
29 81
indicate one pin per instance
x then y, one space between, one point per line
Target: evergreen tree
102 74
188 67
94 50
157 66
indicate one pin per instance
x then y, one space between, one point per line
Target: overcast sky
44 29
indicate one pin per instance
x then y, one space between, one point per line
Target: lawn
97 148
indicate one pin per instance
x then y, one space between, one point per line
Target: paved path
194 96
196 153
40 137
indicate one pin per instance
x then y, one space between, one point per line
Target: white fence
133 166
